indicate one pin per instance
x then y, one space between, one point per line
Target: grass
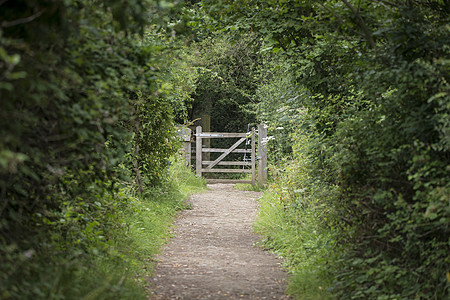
149 218
296 237
122 271
248 187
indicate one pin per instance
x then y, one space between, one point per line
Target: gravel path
212 254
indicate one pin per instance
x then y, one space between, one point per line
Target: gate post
205 122
198 151
253 157
262 153
185 133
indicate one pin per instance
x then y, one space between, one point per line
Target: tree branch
281 44
137 126
388 3
338 18
6 24
361 22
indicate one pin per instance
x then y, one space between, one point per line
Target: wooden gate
211 166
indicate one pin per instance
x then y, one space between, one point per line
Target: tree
228 78
372 80
77 85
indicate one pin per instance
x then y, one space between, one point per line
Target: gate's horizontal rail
208 166
229 163
224 150
226 171
212 181
214 135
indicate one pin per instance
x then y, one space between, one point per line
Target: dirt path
212 254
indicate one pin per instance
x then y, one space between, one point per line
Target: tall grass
148 218
294 222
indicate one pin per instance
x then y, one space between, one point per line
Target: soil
213 253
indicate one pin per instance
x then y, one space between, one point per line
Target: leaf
285 119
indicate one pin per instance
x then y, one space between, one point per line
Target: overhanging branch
362 24
6 24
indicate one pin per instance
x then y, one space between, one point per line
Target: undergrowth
307 251
148 218
297 225
115 259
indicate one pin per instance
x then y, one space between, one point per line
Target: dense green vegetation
227 81
86 124
355 95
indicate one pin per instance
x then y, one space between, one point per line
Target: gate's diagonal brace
225 153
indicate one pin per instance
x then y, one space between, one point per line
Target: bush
76 79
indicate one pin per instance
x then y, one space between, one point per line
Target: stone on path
213 253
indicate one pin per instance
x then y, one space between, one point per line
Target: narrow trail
212 254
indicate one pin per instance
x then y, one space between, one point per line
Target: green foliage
154 137
368 106
80 90
112 255
249 187
150 216
299 226
226 81
183 179
355 94
276 103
